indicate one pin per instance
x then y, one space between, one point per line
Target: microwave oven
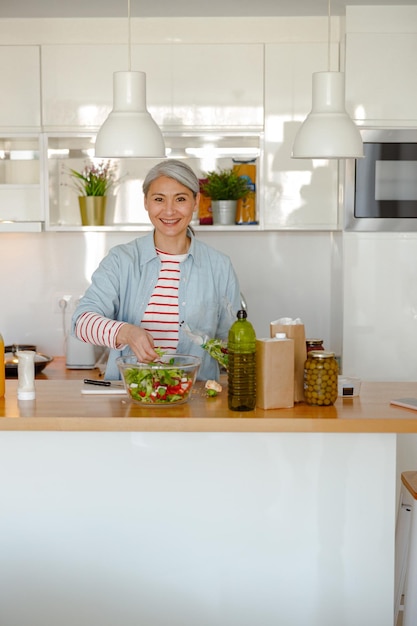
381 188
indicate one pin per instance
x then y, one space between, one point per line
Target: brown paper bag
274 373
297 333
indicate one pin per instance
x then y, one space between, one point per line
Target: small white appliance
79 355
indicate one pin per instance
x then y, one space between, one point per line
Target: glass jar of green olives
320 378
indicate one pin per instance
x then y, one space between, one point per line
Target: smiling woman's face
170 206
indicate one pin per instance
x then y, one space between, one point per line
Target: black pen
102 383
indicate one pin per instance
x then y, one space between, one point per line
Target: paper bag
297 333
274 373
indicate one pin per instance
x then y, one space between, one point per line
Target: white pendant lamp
328 132
129 130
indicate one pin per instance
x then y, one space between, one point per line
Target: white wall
380 304
281 274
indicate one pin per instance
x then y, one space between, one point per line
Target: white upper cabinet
21 204
77 84
381 83
20 84
298 193
209 86
188 85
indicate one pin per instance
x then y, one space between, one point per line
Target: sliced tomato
173 389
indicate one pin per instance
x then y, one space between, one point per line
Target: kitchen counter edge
60 406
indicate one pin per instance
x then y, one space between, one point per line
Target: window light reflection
292 187
90 115
95 249
359 112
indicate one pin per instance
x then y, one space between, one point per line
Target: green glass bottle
241 347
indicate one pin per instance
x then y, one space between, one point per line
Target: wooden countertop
60 406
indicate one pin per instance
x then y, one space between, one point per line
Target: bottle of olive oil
2 368
241 347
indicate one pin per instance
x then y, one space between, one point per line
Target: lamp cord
328 35
63 304
129 38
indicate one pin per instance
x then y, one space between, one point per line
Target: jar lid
320 354
280 335
314 341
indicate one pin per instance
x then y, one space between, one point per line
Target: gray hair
172 168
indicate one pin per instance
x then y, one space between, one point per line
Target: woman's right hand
139 340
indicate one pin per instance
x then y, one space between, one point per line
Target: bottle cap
241 315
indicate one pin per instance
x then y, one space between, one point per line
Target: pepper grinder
26 374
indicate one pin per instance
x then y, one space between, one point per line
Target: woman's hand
139 340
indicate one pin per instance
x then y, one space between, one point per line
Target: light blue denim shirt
208 296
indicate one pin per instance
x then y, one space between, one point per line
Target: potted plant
225 187
92 185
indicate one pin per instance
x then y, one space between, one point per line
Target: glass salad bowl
166 382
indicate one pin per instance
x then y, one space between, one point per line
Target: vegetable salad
217 349
157 385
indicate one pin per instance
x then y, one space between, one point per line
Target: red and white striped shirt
161 318
98 330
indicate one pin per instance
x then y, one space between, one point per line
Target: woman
164 290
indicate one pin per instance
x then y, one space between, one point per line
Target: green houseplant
92 185
225 187
225 184
94 179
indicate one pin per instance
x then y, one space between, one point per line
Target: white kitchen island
117 515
